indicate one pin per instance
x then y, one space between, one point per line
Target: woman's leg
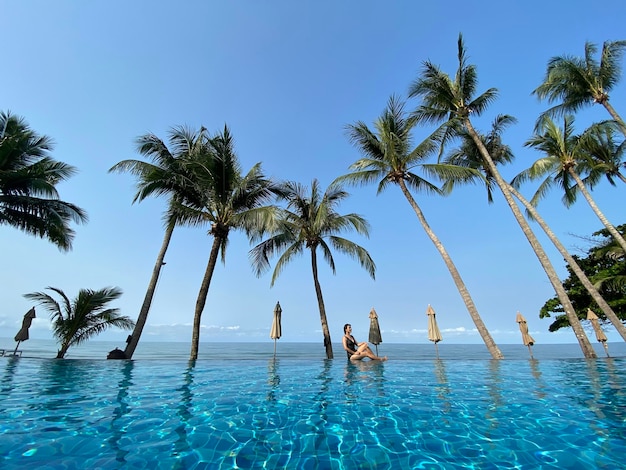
365 351
357 356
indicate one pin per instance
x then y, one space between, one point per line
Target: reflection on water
288 413
185 413
324 379
273 378
9 372
118 425
540 390
494 388
442 387
360 374
64 386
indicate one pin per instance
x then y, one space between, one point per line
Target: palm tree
605 156
580 82
310 221
228 201
453 102
469 156
389 158
76 321
166 174
29 200
563 153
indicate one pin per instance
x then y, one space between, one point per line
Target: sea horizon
177 350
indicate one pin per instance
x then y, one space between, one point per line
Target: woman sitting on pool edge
357 351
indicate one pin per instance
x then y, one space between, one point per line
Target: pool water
312 414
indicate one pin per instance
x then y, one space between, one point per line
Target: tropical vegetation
605 264
390 158
205 186
228 200
454 102
578 82
29 200
566 153
165 174
311 221
80 319
468 155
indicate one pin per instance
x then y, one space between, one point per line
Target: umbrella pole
530 351
606 348
18 345
437 349
377 350
274 347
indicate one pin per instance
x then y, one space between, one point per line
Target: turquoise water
294 411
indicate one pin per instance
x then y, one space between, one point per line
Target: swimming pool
308 414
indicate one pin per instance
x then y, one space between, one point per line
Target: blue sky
287 77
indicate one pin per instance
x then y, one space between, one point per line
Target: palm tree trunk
147 301
61 352
460 285
202 296
581 336
320 301
595 295
615 116
594 207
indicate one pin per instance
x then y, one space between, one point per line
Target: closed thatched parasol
526 338
22 335
276 331
600 336
375 336
434 334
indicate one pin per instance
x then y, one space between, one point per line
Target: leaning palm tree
580 82
165 174
389 158
76 321
452 101
29 200
228 200
564 151
310 221
468 155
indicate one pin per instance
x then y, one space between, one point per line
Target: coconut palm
564 151
229 200
310 221
389 158
453 102
468 155
29 200
76 321
605 155
580 82
165 174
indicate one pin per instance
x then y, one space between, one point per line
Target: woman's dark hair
345 327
